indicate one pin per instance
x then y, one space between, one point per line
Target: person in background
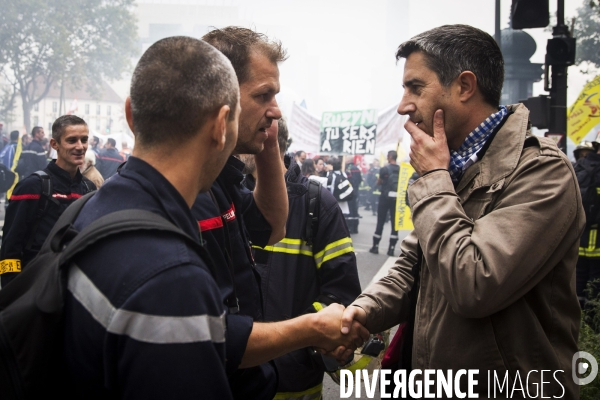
25 140
355 178
110 159
31 213
583 149
320 269
89 170
300 156
308 167
320 166
33 157
7 156
371 182
125 150
388 182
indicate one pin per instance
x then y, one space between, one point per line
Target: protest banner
348 132
584 114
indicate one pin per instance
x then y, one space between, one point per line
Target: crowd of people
258 294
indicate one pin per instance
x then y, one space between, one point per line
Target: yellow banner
403 216
584 114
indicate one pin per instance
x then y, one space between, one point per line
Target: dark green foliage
44 42
587 32
589 339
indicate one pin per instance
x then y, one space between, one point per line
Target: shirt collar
466 155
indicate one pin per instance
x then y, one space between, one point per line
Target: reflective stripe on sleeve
591 251
289 246
9 265
334 250
144 327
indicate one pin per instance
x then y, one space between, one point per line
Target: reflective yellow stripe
334 250
313 393
360 364
318 306
591 250
289 246
10 266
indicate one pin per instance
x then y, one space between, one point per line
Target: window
107 110
50 126
87 108
97 109
36 107
36 120
98 123
54 106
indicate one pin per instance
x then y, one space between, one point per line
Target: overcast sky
341 52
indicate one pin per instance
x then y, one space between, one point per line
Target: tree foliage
76 42
587 32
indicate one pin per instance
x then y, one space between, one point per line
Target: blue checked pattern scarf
466 155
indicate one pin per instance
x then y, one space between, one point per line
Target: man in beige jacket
497 216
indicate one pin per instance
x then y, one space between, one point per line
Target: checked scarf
466 155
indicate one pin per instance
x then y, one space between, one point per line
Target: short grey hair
177 84
450 50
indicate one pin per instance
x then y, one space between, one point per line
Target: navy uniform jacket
23 208
108 162
144 317
229 218
34 158
297 277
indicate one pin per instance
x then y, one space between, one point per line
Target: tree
75 42
587 28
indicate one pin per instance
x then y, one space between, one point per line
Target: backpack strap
121 222
43 203
313 206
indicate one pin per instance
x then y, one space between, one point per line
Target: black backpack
342 189
591 198
31 306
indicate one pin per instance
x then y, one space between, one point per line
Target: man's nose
273 111
406 106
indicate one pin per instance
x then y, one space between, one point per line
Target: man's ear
219 133
128 113
467 82
53 144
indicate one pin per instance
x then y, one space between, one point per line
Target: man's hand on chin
428 153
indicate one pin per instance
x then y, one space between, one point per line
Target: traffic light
560 51
539 111
530 14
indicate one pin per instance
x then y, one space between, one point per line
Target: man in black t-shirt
388 179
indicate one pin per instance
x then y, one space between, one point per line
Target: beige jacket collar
502 156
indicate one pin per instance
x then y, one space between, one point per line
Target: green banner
348 132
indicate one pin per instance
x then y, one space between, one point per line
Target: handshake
335 330
341 331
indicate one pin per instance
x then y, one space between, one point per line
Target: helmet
586 145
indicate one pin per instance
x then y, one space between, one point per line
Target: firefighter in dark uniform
388 181
306 271
38 201
144 318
